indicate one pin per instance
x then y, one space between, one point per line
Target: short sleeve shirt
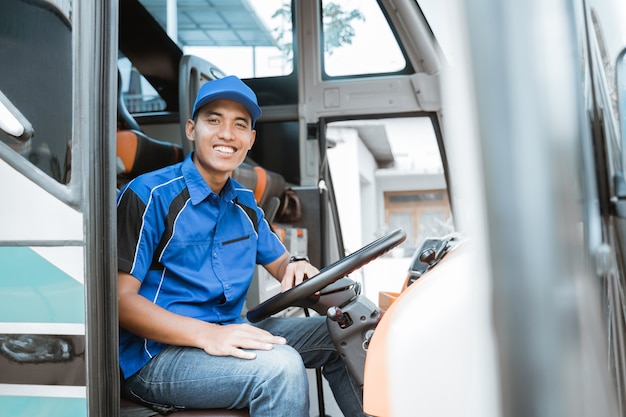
193 251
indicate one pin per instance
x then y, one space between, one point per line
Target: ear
252 139
190 128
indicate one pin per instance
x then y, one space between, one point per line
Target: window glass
422 214
387 174
36 79
357 39
394 162
247 38
139 95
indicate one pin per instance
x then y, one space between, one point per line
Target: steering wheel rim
326 276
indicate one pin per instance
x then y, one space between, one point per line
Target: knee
283 371
285 366
284 385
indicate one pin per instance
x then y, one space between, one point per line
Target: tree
337 28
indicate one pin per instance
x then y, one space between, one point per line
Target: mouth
224 149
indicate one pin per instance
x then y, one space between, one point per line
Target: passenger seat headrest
125 120
138 153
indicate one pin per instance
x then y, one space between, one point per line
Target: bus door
372 105
58 325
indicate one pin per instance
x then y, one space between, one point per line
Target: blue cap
229 88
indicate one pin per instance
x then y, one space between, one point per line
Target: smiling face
223 135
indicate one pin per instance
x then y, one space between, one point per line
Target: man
189 238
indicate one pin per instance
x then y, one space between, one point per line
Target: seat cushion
131 409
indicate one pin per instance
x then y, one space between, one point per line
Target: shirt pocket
232 241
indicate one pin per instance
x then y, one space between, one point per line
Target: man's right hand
238 340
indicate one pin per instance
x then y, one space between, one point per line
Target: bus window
139 95
34 36
351 47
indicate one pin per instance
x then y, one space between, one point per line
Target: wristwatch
297 258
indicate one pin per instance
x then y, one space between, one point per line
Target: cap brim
252 107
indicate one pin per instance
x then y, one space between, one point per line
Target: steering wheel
296 295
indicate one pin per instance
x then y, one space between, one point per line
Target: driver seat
131 409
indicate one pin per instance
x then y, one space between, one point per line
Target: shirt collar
199 190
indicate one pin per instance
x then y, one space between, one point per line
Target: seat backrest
138 153
268 187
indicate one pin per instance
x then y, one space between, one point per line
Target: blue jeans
274 384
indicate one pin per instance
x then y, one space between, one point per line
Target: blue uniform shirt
193 251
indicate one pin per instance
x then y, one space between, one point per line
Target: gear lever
338 316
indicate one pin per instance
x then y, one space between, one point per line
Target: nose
225 131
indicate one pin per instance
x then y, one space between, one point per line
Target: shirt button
215 254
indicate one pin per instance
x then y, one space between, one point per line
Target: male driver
189 238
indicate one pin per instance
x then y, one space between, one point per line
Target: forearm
278 268
146 319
